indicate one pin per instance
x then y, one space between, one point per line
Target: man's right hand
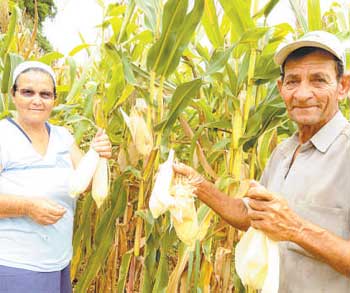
194 178
44 211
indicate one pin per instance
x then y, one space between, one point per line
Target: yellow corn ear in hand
160 199
257 261
187 228
84 172
184 213
100 182
175 195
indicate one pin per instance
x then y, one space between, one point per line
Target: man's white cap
32 65
318 39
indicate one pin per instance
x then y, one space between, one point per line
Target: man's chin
305 120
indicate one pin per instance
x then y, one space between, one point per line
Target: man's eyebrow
321 74
292 75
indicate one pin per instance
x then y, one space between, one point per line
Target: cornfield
201 76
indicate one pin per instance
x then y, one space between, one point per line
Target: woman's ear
12 91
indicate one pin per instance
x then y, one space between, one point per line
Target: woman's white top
24 243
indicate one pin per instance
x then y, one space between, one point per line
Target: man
303 199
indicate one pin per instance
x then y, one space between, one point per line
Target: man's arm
273 216
232 210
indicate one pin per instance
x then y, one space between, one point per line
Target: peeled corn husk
257 261
175 195
160 199
184 214
83 174
100 182
141 134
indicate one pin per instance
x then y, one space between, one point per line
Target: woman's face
34 97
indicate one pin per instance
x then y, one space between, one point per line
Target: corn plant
200 75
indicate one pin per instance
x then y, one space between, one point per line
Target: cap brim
283 53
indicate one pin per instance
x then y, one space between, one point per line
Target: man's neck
307 131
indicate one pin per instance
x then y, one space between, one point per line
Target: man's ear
344 84
279 85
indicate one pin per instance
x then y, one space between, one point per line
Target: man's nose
303 91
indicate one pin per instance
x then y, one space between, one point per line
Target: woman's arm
40 210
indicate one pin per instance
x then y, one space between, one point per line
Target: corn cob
140 133
160 199
184 214
175 195
83 173
100 182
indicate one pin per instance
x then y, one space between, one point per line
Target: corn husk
100 182
160 199
175 195
257 261
83 174
140 133
122 160
184 214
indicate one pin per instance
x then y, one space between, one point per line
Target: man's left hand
271 214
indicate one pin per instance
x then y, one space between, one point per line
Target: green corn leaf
238 12
218 60
11 61
177 30
104 236
314 15
299 14
151 10
10 32
211 24
180 99
123 271
50 57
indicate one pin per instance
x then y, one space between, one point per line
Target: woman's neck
31 128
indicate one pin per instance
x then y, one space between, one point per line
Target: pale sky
83 16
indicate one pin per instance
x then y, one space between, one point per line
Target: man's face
310 89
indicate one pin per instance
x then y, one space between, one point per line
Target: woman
36 211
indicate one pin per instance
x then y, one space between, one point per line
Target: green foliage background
205 69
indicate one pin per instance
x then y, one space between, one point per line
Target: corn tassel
100 182
83 174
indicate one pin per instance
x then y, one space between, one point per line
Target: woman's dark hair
14 87
301 52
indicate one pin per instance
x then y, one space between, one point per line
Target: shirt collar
324 138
